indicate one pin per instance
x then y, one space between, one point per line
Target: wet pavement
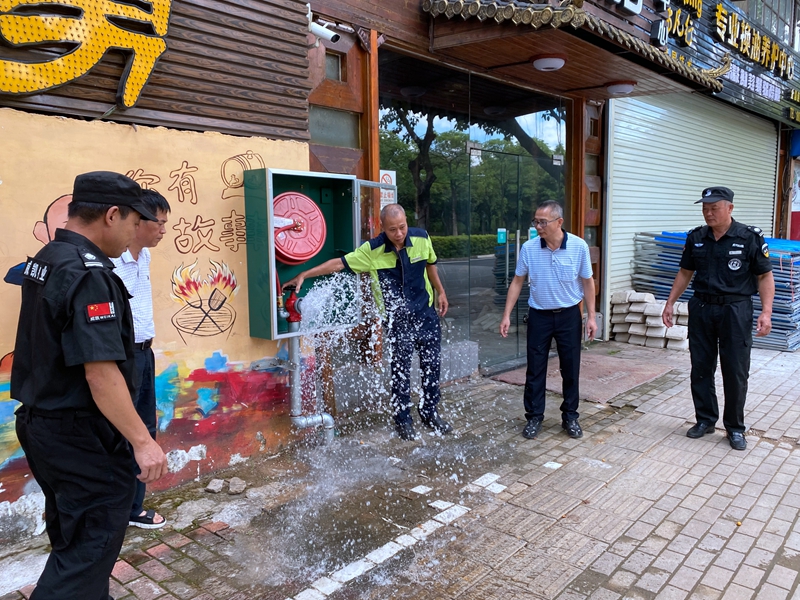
634 509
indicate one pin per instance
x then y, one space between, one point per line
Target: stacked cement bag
636 319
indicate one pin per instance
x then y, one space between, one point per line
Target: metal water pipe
291 312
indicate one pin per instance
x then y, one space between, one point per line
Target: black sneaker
406 431
533 428
438 424
573 429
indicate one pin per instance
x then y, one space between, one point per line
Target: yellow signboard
736 32
91 27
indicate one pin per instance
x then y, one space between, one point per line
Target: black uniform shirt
74 310
729 265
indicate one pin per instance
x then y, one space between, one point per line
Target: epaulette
698 228
760 234
89 260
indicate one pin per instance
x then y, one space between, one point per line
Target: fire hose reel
300 228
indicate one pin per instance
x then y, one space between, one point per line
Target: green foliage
461 246
498 186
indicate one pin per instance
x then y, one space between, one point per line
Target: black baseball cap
107 187
715 194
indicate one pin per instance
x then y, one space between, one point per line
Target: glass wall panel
472 156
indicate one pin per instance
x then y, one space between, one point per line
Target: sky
533 124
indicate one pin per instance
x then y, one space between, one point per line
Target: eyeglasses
543 223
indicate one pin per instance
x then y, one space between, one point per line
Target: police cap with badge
97 187
715 194
106 187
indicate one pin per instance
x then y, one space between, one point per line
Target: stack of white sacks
636 319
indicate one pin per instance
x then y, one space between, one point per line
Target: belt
145 345
60 413
553 310
722 299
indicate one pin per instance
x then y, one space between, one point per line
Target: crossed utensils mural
206 309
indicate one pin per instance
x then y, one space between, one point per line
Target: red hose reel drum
303 239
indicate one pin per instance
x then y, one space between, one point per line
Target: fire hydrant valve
292 306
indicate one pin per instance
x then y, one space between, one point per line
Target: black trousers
423 333
145 402
84 467
565 326
725 330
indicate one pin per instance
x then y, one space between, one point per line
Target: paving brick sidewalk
635 509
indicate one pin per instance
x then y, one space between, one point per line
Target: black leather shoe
438 424
406 431
573 429
532 429
700 430
737 441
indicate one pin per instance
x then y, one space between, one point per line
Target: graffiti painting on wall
102 25
206 309
223 406
232 172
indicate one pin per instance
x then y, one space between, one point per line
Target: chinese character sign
95 27
734 31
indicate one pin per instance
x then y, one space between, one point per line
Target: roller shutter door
663 151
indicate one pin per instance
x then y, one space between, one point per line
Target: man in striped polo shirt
560 276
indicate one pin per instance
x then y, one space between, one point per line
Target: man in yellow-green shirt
403 261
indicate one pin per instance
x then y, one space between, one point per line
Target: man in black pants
133 267
74 374
560 272
730 262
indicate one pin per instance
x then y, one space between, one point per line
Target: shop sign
794 115
740 35
102 25
679 23
754 83
632 7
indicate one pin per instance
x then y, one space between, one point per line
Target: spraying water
342 322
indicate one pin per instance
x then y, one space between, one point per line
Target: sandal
147 521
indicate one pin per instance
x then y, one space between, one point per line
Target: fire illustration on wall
206 307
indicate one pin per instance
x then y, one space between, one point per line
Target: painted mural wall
218 401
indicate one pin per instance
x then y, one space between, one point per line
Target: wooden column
576 167
372 112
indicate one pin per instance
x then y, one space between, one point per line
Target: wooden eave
570 16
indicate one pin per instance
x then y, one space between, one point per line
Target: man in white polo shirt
133 267
560 276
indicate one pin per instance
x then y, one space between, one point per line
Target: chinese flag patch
103 311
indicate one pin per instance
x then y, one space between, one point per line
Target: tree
395 156
422 173
429 157
451 163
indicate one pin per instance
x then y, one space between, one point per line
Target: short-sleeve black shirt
74 310
730 265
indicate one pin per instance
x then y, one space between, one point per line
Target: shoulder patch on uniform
765 249
102 311
36 270
89 259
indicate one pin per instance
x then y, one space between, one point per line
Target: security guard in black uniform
731 261
74 374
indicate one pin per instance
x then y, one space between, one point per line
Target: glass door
504 190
